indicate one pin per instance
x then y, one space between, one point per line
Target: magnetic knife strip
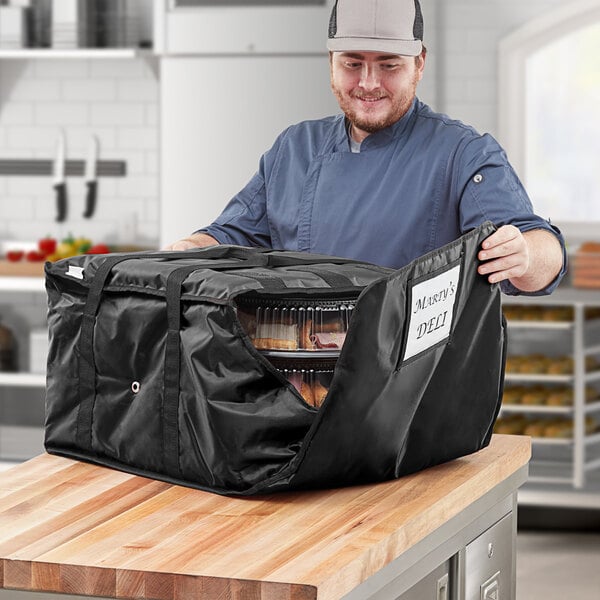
20 167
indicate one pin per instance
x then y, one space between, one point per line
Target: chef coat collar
380 138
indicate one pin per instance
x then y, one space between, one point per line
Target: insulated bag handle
170 408
218 251
260 257
87 372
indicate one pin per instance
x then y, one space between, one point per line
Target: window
562 121
549 120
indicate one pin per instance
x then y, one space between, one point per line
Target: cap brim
362 44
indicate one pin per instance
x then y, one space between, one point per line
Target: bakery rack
565 470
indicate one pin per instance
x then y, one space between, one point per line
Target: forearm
528 261
545 261
196 240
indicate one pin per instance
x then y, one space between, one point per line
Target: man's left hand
530 260
505 254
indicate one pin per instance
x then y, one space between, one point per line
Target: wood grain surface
71 527
22 268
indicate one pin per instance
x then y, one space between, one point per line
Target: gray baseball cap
394 26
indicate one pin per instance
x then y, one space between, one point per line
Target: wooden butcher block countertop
71 527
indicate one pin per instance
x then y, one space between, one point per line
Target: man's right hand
196 240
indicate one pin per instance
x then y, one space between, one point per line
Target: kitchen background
186 95
119 101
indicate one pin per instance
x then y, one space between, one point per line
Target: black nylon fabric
164 382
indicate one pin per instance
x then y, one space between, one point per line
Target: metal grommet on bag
135 387
478 178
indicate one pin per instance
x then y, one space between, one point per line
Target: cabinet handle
442 587
490 590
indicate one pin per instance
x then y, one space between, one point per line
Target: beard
372 123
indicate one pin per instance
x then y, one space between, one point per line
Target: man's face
374 90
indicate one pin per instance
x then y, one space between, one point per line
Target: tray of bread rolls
545 316
558 430
540 364
536 313
299 326
540 398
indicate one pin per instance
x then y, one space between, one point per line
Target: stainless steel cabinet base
436 585
483 570
471 557
489 569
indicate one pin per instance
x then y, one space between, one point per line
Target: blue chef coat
414 187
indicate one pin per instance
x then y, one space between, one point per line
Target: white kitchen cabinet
79 53
195 28
565 470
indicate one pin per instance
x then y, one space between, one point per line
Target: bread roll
512 395
275 344
305 333
319 392
559 313
535 397
560 397
561 428
560 366
307 393
535 429
591 394
512 425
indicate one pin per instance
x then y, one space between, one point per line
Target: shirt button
478 178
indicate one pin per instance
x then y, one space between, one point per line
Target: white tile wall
469 73
462 37
116 100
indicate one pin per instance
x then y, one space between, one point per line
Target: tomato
35 256
47 246
99 249
15 255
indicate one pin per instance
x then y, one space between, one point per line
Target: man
389 180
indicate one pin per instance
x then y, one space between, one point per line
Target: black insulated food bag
243 370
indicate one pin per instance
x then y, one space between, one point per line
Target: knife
91 181
60 186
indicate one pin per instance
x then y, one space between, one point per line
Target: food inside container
311 379
290 324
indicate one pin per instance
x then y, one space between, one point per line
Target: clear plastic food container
311 379
284 325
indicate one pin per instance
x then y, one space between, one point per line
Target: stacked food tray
302 338
586 266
